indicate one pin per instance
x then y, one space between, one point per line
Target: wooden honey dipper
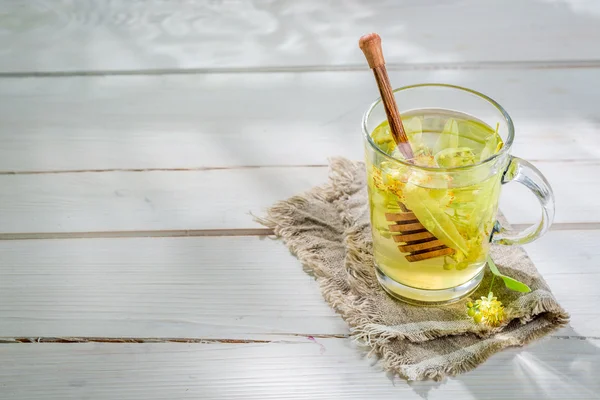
370 44
419 243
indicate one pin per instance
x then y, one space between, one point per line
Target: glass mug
432 227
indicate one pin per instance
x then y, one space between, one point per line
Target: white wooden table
135 137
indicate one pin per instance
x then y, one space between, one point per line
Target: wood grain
123 35
139 122
229 287
117 201
412 237
407 227
401 217
250 296
429 254
370 44
305 369
569 182
225 288
391 110
223 199
420 246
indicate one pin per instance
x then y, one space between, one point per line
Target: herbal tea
431 227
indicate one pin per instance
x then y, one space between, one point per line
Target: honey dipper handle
370 44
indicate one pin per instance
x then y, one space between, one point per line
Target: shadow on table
564 366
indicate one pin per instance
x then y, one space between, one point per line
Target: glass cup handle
521 171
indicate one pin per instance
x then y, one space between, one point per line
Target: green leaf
414 131
454 157
449 136
473 131
433 218
413 126
490 148
510 283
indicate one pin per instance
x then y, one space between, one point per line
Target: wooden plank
122 35
575 202
320 369
223 199
137 122
117 201
568 261
227 287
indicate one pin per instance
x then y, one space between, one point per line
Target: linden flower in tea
456 207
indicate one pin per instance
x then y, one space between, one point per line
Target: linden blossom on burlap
328 230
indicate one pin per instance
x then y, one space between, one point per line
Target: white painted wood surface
225 287
132 35
214 199
296 369
130 119
79 123
224 198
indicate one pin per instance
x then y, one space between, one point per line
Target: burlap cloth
328 230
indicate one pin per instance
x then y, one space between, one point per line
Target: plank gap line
52 339
190 169
567 226
138 234
549 64
123 340
142 340
222 168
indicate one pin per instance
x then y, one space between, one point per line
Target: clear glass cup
422 253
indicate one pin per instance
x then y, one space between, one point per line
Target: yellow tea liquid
456 208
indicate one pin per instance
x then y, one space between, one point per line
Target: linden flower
491 309
378 179
425 160
487 310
